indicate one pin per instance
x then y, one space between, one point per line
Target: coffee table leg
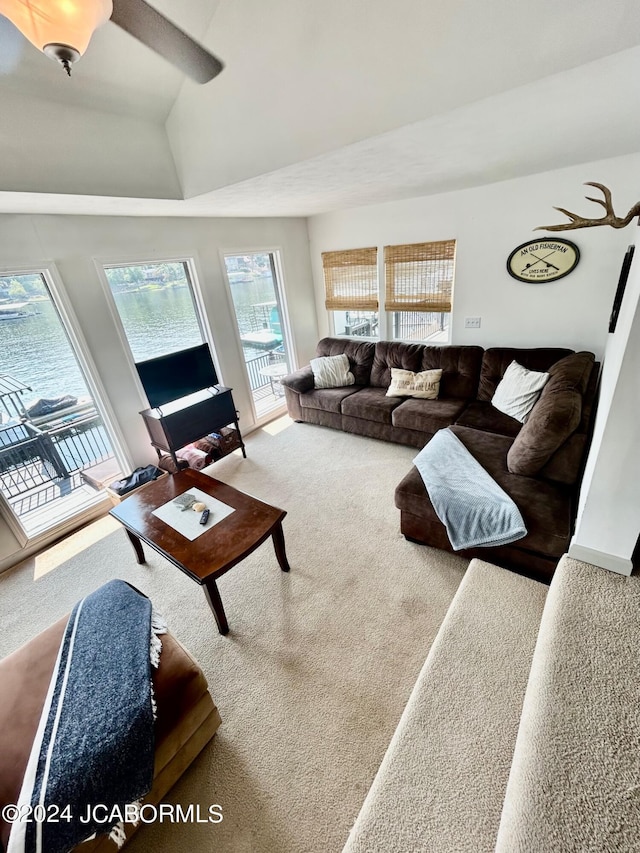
278 544
215 603
137 546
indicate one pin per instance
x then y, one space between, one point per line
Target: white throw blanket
467 500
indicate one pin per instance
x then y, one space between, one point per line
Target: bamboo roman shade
351 279
419 276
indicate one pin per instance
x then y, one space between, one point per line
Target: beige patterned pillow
406 383
331 371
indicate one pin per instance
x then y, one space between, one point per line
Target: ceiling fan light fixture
61 29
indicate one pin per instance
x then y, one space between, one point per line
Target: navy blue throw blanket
95 742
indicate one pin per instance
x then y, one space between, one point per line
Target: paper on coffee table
187 523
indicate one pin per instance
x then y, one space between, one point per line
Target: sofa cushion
518 391
423 386
359 353
460 369
327 399
390 354
555 416
589 399
496 360
552 421
427 416
572 373
482 415
545 507
371 404
565 465
331 371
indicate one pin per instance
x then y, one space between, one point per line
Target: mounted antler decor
608 219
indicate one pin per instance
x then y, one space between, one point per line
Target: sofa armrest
300 380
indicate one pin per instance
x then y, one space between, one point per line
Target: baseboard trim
619 565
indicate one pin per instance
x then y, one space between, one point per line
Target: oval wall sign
543 260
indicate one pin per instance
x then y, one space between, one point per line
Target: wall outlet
472 322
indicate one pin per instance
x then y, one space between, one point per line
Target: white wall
49 148
609 512
74 243
488 223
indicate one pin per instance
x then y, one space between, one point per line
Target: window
157 308
351 284
419 289
255 283
51 429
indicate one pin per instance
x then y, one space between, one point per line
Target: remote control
204 517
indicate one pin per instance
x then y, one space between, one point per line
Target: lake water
35 349
158 321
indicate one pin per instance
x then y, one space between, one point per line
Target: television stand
188 419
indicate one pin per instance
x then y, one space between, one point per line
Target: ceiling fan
62 29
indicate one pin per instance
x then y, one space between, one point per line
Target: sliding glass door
52 435
260 312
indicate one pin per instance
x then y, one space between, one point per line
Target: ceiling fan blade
158 33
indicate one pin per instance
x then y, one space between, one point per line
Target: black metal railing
20 471
55 450
258 363
418 326
32 456
82 443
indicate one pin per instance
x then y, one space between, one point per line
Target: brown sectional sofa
546 498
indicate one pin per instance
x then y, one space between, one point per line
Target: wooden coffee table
218 549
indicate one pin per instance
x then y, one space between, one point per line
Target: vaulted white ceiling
321 106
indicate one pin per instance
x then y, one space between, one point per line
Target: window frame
191 261
62 304
279 266
331 312
449 245
386 319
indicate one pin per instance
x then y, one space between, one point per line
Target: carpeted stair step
575 781
441 784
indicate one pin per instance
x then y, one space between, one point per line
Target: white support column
609 509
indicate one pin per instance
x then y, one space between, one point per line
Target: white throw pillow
518 391
331 371
406 383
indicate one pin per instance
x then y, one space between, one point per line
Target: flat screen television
169 377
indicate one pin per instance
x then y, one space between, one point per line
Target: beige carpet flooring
574 783
317 668
446 796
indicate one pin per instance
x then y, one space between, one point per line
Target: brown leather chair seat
187 717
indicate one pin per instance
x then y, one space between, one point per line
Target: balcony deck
41 463
46 506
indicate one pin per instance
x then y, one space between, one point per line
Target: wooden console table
188 419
